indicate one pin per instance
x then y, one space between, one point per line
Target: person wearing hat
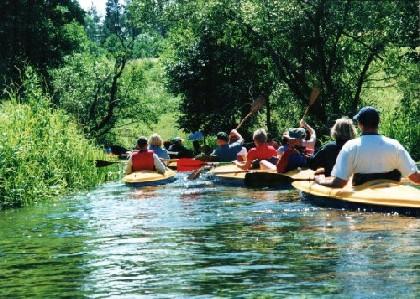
291 155
226 152
261 151
310 139
371 156
144 159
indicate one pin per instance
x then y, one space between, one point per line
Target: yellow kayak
378 193
149 178
233 175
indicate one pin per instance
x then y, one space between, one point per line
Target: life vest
291 160
143 160
284 160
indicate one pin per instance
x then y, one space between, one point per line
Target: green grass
43 154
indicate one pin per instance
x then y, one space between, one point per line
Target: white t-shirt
372 154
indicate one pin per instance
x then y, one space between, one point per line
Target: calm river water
194 239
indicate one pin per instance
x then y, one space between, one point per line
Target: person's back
372 154
342 131
142 160
261 152
291 155
226 152
325 158
155 145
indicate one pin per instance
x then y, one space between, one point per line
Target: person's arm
239 140
129 166
244 166
407 166
310 143
159 166
333 182
165 154
415 177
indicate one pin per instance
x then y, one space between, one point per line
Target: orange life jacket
143 160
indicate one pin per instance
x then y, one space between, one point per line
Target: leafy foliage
43 154
38 33
330 44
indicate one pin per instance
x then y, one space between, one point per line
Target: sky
99 4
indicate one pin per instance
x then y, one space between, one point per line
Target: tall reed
42 151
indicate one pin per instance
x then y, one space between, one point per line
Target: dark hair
222 136
142 141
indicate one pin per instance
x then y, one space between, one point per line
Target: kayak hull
149 178
379 195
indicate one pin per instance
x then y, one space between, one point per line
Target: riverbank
43 153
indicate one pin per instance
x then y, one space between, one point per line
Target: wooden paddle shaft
256 105
312 98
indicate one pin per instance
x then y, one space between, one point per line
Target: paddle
270 179
312 98
188 164
104 163
195 174
255 106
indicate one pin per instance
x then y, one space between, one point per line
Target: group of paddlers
369 157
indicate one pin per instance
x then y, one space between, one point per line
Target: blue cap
368 116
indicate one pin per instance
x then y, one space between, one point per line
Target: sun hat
295 133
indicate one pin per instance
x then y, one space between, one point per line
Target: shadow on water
194 239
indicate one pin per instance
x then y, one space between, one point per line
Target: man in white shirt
370 155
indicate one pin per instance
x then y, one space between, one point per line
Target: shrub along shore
43 153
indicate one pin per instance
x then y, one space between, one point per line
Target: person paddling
144 159
291 155
261 151
342 131
371 156
226 152
310 138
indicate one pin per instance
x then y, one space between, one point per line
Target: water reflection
191 239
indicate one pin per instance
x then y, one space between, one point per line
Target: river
197 240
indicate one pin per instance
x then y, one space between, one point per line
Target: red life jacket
142 160
284 160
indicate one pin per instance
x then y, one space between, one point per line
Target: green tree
327 43
38 33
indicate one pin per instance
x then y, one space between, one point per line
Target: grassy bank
42 153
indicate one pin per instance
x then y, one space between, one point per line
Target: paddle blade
187 164
266 179
314 95
257 104
104 163
196 173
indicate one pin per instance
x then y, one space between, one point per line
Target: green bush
43 154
